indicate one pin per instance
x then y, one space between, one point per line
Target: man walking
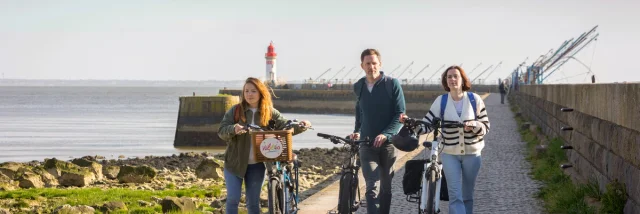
380 101
503 89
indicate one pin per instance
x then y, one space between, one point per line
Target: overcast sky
227 40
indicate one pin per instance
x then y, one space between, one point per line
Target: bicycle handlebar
289 124
335 140
436 123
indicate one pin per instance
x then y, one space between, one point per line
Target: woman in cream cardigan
461 155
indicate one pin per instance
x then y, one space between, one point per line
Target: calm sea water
71 122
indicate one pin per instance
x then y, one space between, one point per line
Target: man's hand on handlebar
380 139
354 136
403 117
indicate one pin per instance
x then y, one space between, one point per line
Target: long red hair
264 105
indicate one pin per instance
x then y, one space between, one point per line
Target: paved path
503 185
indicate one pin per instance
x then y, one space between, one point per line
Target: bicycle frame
349 175
432 171
283 176
431 166
353 167
281 173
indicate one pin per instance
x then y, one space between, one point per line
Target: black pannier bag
412 176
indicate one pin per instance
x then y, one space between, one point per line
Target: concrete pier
199 118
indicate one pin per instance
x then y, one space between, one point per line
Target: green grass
559 193
97 196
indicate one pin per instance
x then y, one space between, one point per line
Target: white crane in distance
441 67
394 70
345 76
474 68
405 70
485 70
334 76
494 69
414 77
317 78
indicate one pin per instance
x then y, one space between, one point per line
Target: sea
65 122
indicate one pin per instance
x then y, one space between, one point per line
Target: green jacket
237 154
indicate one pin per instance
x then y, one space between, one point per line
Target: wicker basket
272 146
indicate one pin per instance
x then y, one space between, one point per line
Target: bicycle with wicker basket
274 147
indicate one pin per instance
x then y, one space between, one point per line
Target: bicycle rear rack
413 198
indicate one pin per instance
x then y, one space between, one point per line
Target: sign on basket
271 148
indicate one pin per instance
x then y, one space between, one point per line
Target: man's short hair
370 51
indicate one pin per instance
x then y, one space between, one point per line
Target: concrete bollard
541 150
199 118
533 128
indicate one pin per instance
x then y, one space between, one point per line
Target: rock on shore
151 173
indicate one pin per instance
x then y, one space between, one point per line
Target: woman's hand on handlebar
305 124
403 117
239 129
470 125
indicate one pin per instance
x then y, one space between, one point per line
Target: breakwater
337 101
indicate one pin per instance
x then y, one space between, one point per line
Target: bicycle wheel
431 199
346 197
275 196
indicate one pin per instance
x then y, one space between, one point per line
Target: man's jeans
377 163
254 177
502 94
461 172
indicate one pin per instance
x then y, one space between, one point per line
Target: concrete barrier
477 88
606 129
199 118
337 101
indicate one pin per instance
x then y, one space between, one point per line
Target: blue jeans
377 163
254 177
461 172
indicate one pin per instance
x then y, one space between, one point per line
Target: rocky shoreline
151 173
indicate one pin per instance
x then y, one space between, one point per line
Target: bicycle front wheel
346 197
275 197
431 198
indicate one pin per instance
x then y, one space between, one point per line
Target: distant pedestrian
503 90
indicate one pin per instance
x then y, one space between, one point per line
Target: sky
227 40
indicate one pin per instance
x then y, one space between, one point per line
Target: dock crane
437 71
547 64
414 77
474 68
318 78
334 76
394 70
485 70
405 70
494 69
345 76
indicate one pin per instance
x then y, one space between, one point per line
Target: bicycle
428 197
347 202
283 178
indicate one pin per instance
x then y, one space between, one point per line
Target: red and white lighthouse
271 56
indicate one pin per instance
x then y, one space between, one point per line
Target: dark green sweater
376 112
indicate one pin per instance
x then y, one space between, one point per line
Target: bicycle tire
431 199
346 196
274 196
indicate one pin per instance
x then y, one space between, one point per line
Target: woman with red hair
239 163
